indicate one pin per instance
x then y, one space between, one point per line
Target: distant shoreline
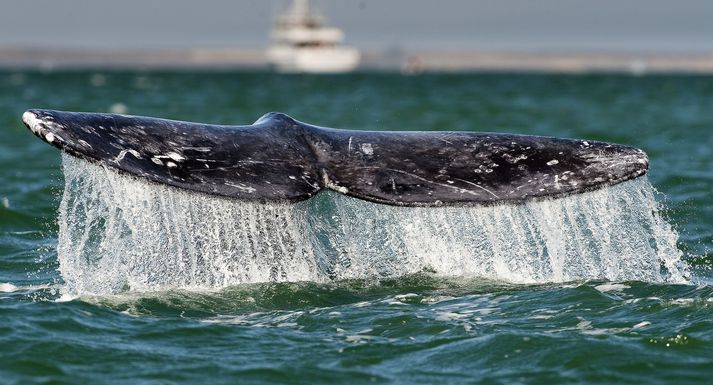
394 60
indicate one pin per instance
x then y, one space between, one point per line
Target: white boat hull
314 59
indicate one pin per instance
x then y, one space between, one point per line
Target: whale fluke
279 158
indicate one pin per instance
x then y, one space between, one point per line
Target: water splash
120 233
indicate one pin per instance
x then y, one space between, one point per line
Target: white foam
121 233
7 288
66 297
607 287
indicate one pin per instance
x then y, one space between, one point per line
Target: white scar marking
247 189
478 186
434 183
31 120
176 156
123 153
199 149
443 139
519 158
331 185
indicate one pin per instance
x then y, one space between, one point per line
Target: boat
302 42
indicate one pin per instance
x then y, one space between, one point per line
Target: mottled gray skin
279 158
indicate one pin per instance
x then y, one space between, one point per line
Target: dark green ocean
422 328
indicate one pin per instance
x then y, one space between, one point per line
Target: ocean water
613 286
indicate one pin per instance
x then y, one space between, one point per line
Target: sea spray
120 233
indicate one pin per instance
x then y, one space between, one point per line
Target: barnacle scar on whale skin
281 159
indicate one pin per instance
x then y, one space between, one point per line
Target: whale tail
281 159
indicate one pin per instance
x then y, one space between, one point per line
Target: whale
279 158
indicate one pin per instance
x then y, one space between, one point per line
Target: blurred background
406 35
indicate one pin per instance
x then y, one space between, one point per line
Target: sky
504 25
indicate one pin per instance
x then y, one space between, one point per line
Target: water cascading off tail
119 232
